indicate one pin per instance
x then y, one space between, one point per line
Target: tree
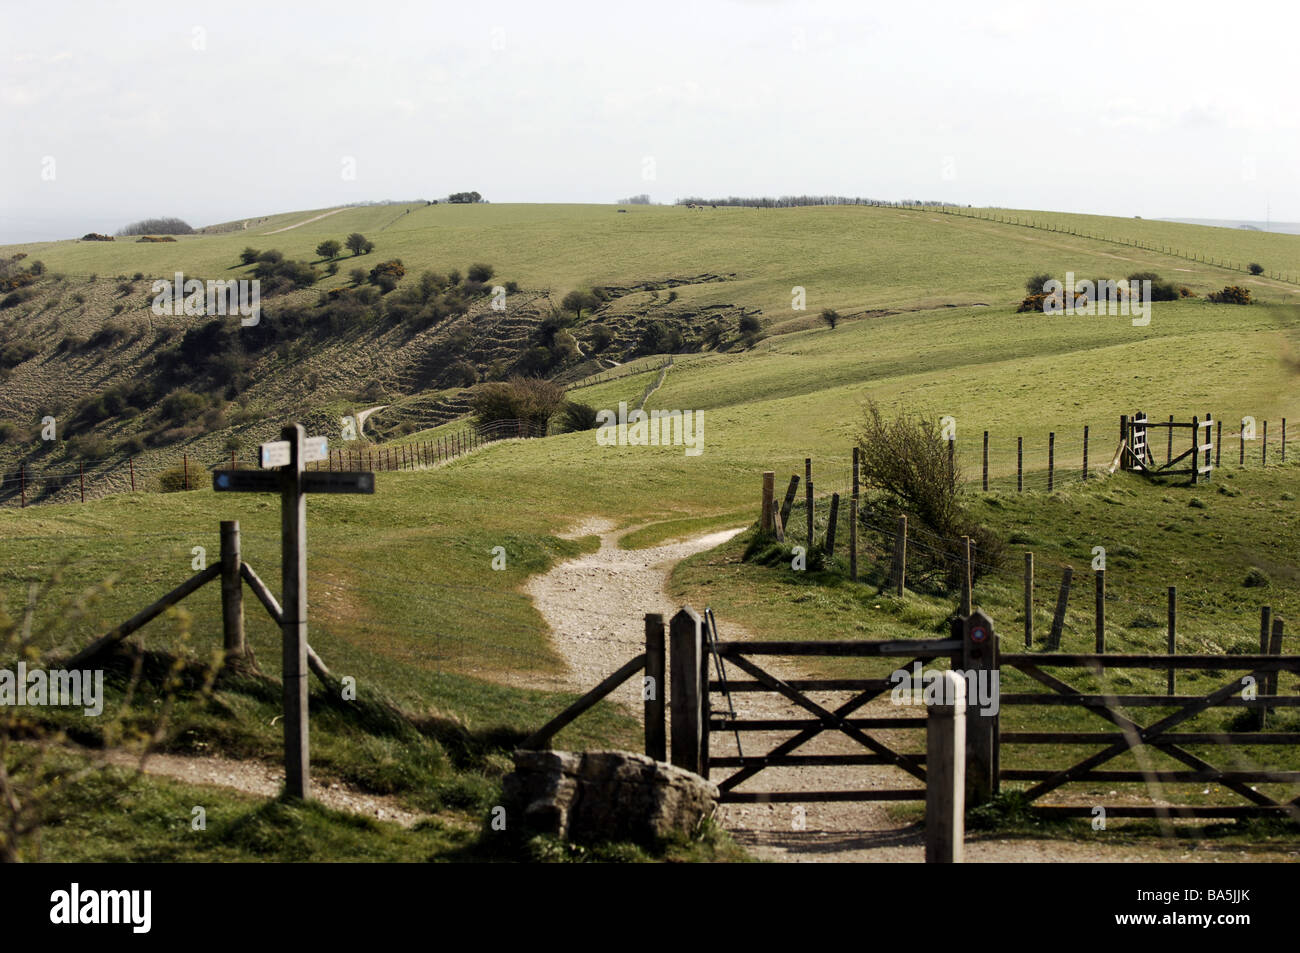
831 317
577 301
329 249
1256 269
356 243
249 255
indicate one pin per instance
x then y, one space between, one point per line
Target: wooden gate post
293 575
652 689
765 520
788 503
945 773
1029 600
232 591
808 496
980 665
685 659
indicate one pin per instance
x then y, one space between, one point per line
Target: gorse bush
1232 294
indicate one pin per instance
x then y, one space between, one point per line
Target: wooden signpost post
284 460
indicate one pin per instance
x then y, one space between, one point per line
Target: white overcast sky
217 111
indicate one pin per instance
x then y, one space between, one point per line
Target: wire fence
77 481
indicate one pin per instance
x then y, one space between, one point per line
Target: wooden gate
1160 735
750 658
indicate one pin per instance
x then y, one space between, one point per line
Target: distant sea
1286 228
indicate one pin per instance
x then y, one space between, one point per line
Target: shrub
15 354
577 417
118 308
356 243
15 298
182 406
155 238
138 276
831 317
358 275
329 249
1161 290
661 338
249 255
96 237
173 480
387 273
905 460
749 324
462 374
1256 269
530 399
480 273
1256 578
1035 285
1232 294
600 338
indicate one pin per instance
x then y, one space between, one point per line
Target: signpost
283 461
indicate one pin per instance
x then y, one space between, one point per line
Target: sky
113 112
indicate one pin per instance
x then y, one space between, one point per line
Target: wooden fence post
788 503
979 662
1029 600
1274 648
778 527
808 497
232 591
945 773
1265 627
765 517
131 461
1051 461
1085 453
1169 452
652 688
853 521
22 483
293 574
952 458
1020 464
185 464
1172 639
1284 440
830 527
965 575
1100 610
685 660
1241 461
1218 441
81 478
900 557
1058 618
986 461
1263 447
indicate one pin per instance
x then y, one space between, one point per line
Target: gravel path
595 604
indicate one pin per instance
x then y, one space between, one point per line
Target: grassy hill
404 596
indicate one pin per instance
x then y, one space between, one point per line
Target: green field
404 596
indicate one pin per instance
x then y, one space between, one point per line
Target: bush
600 338
577 417
578 301
15 354
356 243
15 298
1256 578
249 255
1256 269
1232 294
329 249
1035 285
96 237
749 324
905 460
1161 290
480 273
462 374
155 238
182 406
530 399
173 480
831 317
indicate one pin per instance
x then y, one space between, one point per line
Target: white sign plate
275 454
315 448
